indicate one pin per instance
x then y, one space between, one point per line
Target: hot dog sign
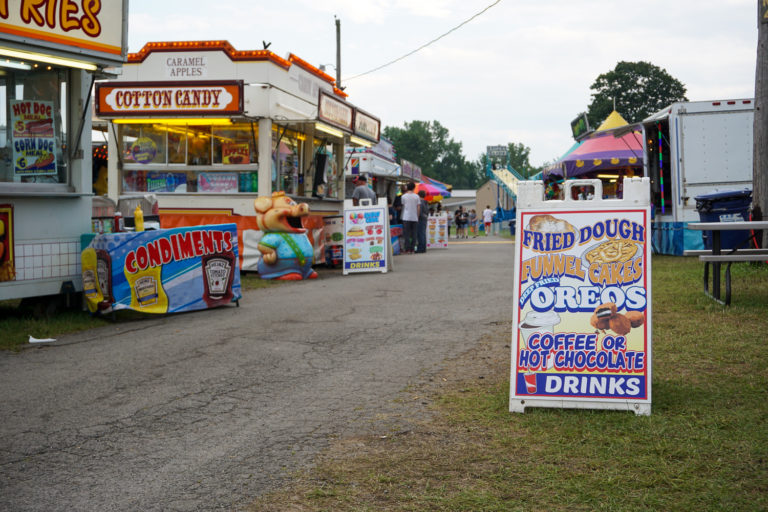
34 142
581 334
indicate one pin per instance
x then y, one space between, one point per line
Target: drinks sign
366 238
581 327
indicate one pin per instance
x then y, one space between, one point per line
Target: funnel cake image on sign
550 224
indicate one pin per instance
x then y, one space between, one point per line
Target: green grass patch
252 281
18 322
35 317
704 447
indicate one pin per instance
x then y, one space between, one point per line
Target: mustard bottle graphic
147 292
91 287
138 218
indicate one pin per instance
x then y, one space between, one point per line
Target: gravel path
204 411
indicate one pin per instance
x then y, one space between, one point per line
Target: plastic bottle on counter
119 224
138 219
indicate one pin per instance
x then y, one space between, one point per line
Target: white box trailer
695 148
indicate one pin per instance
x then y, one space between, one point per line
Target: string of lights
424 45
661 166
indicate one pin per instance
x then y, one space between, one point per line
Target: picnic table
717 257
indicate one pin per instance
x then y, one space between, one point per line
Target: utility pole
760 130
338 52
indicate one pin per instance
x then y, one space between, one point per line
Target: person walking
362 191
411 210
473 223
464 217
487 218
457 221
421 245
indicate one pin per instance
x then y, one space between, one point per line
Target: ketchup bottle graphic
218 273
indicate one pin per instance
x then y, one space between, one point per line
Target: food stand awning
438 184
615 145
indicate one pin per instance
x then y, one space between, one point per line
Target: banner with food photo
366 238
437 231
33 137
582 307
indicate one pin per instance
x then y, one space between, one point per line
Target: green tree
638 88
429 145
519 155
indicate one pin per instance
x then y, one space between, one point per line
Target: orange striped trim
225 46
235 55
59 39
312 69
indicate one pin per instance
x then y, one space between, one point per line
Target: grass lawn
705 446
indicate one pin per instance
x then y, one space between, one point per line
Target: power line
424 45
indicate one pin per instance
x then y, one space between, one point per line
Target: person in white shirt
487 218
411 211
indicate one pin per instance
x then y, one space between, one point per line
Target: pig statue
285 249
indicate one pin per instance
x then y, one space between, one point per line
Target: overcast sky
520 72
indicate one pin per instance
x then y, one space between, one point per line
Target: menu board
366 239
581 323
34 143
437 231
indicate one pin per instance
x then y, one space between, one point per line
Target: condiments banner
163 271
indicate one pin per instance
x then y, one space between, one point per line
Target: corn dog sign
582 312
34 143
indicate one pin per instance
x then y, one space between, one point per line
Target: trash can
512 227
725 206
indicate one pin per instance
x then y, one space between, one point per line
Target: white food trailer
49 56
695 148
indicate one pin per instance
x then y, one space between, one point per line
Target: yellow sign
82 27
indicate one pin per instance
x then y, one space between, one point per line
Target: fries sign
582 313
